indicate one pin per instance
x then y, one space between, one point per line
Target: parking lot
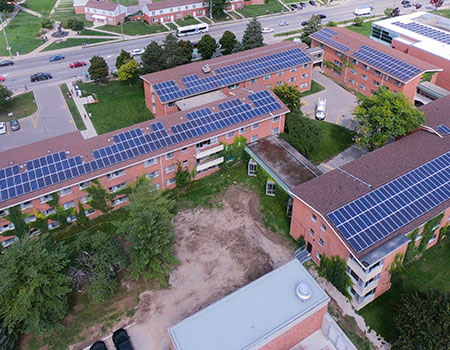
52 118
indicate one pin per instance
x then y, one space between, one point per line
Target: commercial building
104 12
369 210
420 34
364 64
284 309
287 62
67 164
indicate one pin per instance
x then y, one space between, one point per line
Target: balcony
208 152
364 275
209 164
361 288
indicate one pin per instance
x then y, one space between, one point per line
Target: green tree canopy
227 42
34 288
123 57
253 35
423 321
206 46
152 58
290 96
6 6
128 71
98 69
314 24
384 115
218 6
149 229
8 340
5 95
46 22
335 271
186 50
173 55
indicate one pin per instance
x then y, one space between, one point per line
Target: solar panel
326 35
444 129
231 74
374 216
398 68
425 31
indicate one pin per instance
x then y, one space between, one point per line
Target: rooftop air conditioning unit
206 68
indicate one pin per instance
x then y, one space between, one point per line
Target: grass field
61 16
171 26
259 10
72 107
430 272
94 32
22 106
294 31
187 22
40 6
315 87
364 29
135 28
71 42
119 105
22 34
444 13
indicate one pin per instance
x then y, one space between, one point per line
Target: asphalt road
17 76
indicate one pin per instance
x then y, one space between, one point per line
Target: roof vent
303 291
206 68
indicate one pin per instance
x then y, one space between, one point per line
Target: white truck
320 111
363 11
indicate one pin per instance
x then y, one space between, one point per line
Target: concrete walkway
6 21
31 12
80 102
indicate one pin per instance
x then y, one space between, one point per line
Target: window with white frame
364 77
279 83
53 225
83 185
351 81
398 83
31 218
362 86
291 80
279 74
214 140
293 69
89 211
267 76
313 218
377 73
270 188
353 71
304 85
45 199
170 168
152 175
242 130
115 174
184 150
68 205
157 186
169 155
251 169
4 212
85 199
318 255
117 187
366 67
170 181
376 83
275 131
119 200
355 62
65 192
49 212
233 86
323 227
339 54
321 242
306 65
306 75
255 126
254 138
26 205
253 81
185 163
311 232
150 161
388 78
277 118
230 134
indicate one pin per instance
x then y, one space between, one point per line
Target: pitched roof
102 5
171 4
339 187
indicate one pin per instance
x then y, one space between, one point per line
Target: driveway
52 118
340 102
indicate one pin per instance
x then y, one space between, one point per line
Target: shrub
335 271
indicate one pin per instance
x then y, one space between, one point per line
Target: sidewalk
80 102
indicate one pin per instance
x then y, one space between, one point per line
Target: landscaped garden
187 21
258 10
71 42
135 28
73 108
21 106
363 29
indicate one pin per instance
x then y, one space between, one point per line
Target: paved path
31 12
347 156
80 102
6 21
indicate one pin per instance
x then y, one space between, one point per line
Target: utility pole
210 9
121 24
6 39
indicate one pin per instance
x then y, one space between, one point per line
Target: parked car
14 125
283 23
2 78
312 3
294 6
305 23
322 16
302 4
320 111
76 64
121 340
267 30
56 58
40 76
98 345
407 4
2 128
137 52
6 63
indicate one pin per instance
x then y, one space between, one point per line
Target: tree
128 71
238 47
5 95
149 228
8 340
227 42
34 288
98 70
384 115
218 6
314 24
206 46
152 58
253 35
437 3
46 22
82 219
123 57
75 24
423 321
335 271
101 199
290 96
358 21
186 50
6 6
18 219
173 55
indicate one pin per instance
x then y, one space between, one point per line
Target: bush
46 22
332 24
358 21
335 271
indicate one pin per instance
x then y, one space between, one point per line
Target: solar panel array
325 36
425 31
389 64
58 167
231 74
444 129
370 218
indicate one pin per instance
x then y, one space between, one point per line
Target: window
152 175
49 212
306 75
234 86
170 181
321 242
65 192
117 187
338 63
377 73
268 86
398 83
306 65
44 199
353 70
318 255
362 86
388 78
253 81
294 69
254 138
313 218
214 140
275 131
178 15
157 186
279 83
31 218
4 212
270 188
184 150
339 54
170 168
53 225
279 74
277 118
376 83
171 104
311 232
115 174
185 163
304 85
119 201
84 185
364 77
355 62
68 205
366 67
150 161
169 155
255 126
372 92
251 170
323 227
267 77
85 199
351 81
291 80
242 130
230 134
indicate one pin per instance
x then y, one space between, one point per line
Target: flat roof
426 31
287 164
200 100
46 166
253 315
434 88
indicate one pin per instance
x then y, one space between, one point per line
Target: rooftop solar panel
425 31
444 129
326 35
374 216
398 68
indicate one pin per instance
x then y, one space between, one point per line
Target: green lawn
22 33
444 13
72 107
40 6
223 18
364 29
135 28
259 10
429 272
22 106
119 105
71 42
94 32
171 26
187 22
294 31
62 16
315 87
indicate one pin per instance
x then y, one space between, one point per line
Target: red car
2 78
77 64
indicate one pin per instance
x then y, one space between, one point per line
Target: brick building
368 210
282 310
364 64
78 6
172 10
104 12
67 164
422 35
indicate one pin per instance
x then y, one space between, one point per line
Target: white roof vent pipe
206 68
303 291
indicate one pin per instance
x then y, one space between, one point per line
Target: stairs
302 255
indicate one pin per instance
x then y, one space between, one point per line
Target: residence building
284 309
419 34
269 66
103 12
369 210
172 10
364 64
78 6
195 139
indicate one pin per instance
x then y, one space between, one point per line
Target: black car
322 16
302 4
294 6
304 23
6 63
40 76
312 3
98 345
407 4
121 340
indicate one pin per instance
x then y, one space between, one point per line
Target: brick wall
178 15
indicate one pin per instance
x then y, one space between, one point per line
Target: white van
363 11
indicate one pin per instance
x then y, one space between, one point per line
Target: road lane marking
304 102
339 117
349 123
326 116
35 122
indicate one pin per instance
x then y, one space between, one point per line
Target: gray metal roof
254 314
